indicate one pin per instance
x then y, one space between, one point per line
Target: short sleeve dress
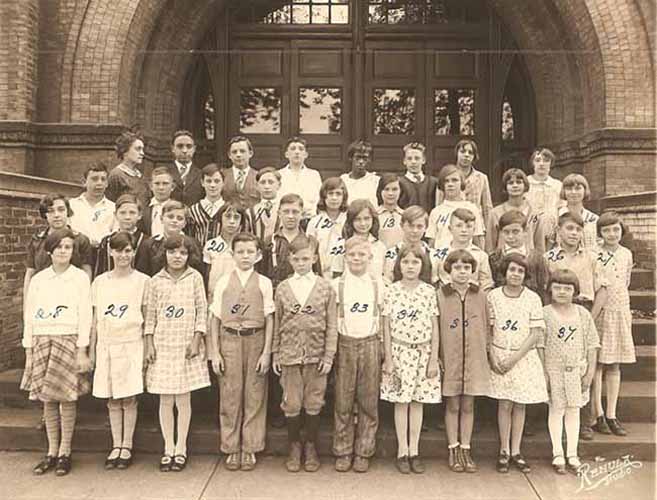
327 232
120 345
175 309
614 323
512 319
566 347
410 313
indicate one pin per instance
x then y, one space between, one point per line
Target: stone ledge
29 187
604 141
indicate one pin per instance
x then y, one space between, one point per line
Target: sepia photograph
328 249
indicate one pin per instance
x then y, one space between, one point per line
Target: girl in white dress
117 345
411 375
614 323
326 226
516 316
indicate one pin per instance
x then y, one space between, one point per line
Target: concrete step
643 300
644 368
636 401
644 331
642 279
92 433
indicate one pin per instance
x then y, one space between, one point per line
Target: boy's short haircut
127 198
459 256
512 217
124 141
575 180
172 205
571 217
420 253
182 241
446 171
564 277
545 152
291 199
240 138
302 243
180 133
356 207
245 237
161 171
514 258
609 219
415 145
329 185
510 174
465 142
49 200
464 214
97 166
357 241
268 170
296 139
54 238
210 169
359 146
413 213
121 240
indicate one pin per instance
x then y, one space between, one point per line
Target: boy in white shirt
461 225
358 365
361 183
93 213
297 178
263 216
162 186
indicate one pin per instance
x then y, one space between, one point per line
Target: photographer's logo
592 476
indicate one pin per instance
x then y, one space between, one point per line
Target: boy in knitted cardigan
303 346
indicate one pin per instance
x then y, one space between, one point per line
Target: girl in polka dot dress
614 323
411 368
517 379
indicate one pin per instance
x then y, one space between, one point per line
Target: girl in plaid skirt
57 319
176 314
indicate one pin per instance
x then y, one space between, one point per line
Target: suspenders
375 306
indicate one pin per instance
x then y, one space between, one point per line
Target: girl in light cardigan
57 318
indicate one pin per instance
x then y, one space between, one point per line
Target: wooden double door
334 88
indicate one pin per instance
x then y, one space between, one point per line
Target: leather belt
242 332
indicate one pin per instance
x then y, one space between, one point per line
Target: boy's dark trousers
357 381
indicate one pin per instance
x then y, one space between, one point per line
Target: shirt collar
180 166
521 250
383 210
49 273
310 277
243 276
155 203
165 274
207 203
448 288
245 170
82 198
288 168
129 172
365 277
411 176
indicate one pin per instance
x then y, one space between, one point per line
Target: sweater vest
423 193
243 306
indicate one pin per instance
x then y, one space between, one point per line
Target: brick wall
19 218
641 222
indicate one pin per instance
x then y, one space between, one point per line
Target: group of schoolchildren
406 288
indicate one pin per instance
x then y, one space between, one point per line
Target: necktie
268 206
239 182
183 170
418 178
